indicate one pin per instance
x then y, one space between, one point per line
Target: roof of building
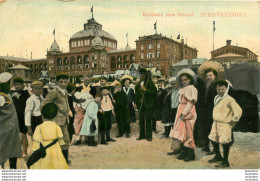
97 41
121 50
55 46
159 37
229 55
19 67
92 29
195 61
136 66
19 59
91 32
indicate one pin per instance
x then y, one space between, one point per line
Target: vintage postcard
129 84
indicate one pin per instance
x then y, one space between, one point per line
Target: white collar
62 90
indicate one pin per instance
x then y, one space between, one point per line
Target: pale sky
26 25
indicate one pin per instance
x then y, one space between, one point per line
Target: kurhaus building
93 50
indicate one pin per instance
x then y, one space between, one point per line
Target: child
10 144
90 115
19 97
104 115
71 88
226 114
33 116
45 134
81 101
59 96
122 111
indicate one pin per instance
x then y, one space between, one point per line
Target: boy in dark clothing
19 97
121 111
104 115
71 88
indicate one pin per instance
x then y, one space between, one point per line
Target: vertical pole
213 39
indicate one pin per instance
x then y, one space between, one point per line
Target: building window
142 47
149 46
150 55
95 57
66 67
85 42
78 43
142 55
158 54
86 65
158 45
93 64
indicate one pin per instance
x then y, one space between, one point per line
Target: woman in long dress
45 134
182 132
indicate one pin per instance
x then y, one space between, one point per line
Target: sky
27 25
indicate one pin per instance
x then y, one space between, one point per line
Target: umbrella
244 76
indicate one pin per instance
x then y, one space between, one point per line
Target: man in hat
157 113
33 116
59 96
145 97
19 97
105 112
10 144
126 80
171 103
121 111
86 86
211 92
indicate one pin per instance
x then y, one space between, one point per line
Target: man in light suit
59 96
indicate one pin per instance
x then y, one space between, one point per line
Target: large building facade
162 52
230 54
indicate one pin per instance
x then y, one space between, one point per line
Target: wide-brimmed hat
118 84
211 65
5 77
186 71
126 77
37 83
172 80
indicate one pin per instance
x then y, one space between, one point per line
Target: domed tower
92 35
54 49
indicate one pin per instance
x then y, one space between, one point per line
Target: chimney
190 63
229 42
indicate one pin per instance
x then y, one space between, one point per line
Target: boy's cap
37 83
5 77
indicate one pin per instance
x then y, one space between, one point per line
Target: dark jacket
130 95
146 98
20 104
161 93
121 101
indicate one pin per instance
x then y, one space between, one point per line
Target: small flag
214 28
126 35
179 36
54 31
91 10
155 25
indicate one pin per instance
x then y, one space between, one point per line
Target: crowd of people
195 111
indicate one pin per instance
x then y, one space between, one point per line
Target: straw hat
211 65
125 77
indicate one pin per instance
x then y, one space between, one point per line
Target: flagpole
213 33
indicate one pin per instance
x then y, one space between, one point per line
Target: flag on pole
126 35
214 28
91 10
54 31
179 36
155 25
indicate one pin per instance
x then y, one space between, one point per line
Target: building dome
91 29
55 47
